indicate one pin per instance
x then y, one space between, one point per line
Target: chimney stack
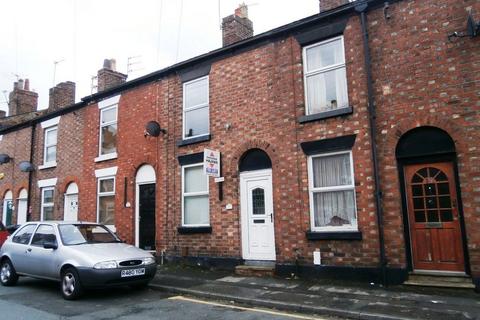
3 114
326 5
237 26
108 77
21 99
62 95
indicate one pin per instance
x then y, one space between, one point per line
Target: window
195 205
106 201
332 192
50 146
44 233
195 108
108 130
24 234
325 76
47 203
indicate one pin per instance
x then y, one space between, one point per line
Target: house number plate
433 225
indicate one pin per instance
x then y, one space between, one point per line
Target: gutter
362 9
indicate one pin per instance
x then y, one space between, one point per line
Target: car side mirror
50 245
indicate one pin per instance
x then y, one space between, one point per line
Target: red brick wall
423 79
69 162
17 145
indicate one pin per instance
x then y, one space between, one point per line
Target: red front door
433 216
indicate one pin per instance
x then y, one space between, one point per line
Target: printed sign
211 162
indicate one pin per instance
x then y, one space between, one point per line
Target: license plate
132 272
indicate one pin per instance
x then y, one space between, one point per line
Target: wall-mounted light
4 158
26 166
153 129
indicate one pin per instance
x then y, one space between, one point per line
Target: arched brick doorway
433 217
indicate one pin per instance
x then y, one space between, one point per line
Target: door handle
271 217
29 250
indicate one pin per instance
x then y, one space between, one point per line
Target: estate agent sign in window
195 108
332 192
195 208
325 76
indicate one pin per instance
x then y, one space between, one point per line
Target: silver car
77 254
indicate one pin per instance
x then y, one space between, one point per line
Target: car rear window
24 234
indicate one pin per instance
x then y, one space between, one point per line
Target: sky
80 34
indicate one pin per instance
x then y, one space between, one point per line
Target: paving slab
339 299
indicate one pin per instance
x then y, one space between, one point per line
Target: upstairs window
196 120
325 77
108 130
50 146
332 192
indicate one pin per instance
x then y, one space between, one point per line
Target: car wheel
71 286
8 275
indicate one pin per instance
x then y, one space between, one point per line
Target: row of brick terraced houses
348 142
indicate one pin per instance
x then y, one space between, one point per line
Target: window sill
325 115
193 230
186 142
105 157
47 165
334 235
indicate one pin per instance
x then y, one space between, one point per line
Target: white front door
22 211
71 207
258 234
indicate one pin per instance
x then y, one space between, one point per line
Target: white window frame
200 106
105 194
192 194
49 164
44 205
111 155
312 190
326 69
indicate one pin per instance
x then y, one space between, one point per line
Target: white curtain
317 93
334 208
332 171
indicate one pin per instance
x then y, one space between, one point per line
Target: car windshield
73 234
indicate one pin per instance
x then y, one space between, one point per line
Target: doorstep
440 280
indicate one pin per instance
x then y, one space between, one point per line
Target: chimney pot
22 99
108 77
237 26
326 5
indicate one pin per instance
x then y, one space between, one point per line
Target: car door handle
29 250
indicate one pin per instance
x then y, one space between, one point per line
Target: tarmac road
37 299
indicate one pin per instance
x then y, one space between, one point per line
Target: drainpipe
362 9
30 173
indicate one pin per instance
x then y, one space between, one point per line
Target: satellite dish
472 27
26 166
153 129
4 158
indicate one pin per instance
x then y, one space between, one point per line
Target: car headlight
105 265
148 260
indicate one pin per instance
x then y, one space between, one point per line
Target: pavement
332 298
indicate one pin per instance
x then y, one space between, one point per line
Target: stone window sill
325 115
105 157
335 235
47 165
193 230
186 142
